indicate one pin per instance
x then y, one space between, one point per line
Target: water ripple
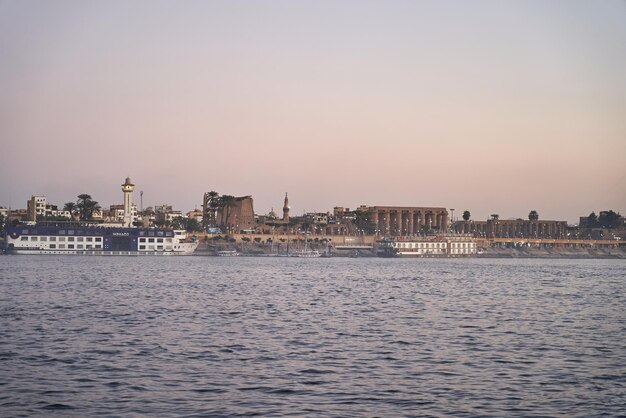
200 336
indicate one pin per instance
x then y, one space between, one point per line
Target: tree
592 220
495 216
71 208
466 215
188 224
363 221
213 206
609 219
227 202
86 206
533 215
2 222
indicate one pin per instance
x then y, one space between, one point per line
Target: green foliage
592 220
363 221
225 204
71 208
466 215
610 219
245 239
214 202
257 240
55 218
533 215
86 206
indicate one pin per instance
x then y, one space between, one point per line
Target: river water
204 336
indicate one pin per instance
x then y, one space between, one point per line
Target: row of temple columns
403 222
528 229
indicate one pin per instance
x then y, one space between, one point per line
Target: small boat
228 253
306 254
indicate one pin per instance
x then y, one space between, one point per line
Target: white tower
127 188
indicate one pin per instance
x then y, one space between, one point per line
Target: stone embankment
208 248
532 252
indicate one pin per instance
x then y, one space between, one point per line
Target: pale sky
490 106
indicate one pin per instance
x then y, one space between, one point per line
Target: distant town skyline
491 107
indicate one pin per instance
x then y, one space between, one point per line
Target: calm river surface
203 336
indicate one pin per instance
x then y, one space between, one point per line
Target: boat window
88 239
159 239
61 231
160 233
142 247
61 246
70 238
24 239
79 239
70 232
33 238
24 231
79 246
98 239
53 246
43 238
70 246
53 238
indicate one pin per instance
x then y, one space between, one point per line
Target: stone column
399 222
411 216
387 222
444 221
375 219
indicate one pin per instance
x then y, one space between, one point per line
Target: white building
36 207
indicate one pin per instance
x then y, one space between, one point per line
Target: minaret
127 188
286 209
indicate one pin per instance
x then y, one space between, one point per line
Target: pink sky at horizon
493 107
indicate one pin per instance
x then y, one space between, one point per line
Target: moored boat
76 239
228 253
448 245
306 254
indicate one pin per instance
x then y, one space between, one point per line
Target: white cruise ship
93 240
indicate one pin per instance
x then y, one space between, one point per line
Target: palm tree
71 208
533 215
466 215
86 206
213 206
227 202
